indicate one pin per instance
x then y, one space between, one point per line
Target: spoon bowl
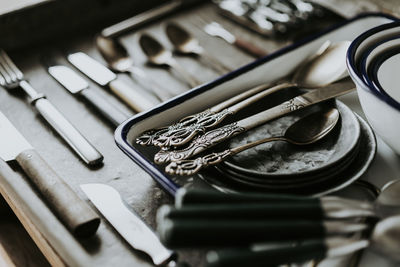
184 43
119 60
160 56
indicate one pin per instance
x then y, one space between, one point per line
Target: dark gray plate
364 158
281 160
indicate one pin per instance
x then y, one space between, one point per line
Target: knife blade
104 77
73 212
130 226
76 85
216 136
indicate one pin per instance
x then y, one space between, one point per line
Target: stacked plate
280 167
373 61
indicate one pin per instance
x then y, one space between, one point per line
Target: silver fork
11 78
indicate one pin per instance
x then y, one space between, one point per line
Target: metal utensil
11 77
119 60
73 212
131 227
261 255
199 232
160 56
216 29
185 43
104 77
308 75
76 85
213 137
305 131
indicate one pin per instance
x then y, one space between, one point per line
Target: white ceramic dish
265 70
385 73
375 51
382 112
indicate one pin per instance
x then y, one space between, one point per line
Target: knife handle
73 211
315 249
191 233
192 197
132 98
108 110
249 48
68 132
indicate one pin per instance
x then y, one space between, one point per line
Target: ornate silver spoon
305 131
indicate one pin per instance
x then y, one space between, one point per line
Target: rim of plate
373 72
352 67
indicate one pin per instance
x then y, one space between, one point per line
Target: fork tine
13 67
4 61
4 75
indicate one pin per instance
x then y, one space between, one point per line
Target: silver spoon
158 55
305 131
119 60
323 68
186 44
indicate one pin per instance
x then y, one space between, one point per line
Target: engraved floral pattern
199 144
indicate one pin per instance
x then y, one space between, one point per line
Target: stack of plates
373 62
280 167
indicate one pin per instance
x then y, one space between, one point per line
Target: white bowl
381 112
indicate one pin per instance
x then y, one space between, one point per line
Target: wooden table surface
107 248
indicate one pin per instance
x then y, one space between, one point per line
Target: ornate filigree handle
190 167
150 137
199 144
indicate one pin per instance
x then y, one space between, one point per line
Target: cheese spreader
104 77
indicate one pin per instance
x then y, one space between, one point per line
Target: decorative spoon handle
216 136
192 166
182 132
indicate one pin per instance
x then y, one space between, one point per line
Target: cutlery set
239 228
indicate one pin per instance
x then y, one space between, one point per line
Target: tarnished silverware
216 136
305 131
186 44
158 55
318 71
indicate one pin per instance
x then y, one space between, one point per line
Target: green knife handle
248 211
75 213
108 110
186 197
181 233
245 257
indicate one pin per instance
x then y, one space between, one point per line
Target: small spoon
119 60
324 67
186 44
305 131
158 55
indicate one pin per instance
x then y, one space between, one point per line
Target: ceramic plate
384 73
282 160
359 165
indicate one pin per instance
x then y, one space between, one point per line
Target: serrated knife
130 226
76 85
75 213
104 77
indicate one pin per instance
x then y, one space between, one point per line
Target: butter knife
104 77
216 136
131 227
76 85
